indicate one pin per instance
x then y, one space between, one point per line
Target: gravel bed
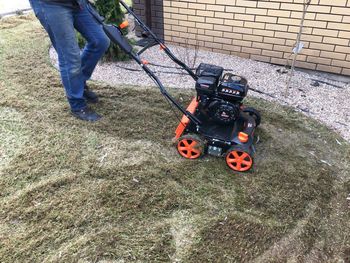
326 103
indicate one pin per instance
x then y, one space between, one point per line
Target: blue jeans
75 67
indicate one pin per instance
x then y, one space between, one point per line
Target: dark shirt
69 3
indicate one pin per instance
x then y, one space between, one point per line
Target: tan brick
260 58
247 3
244 55
279 13
270 53
232 48
333 2
248 50
340 10
273 40
205 13
218 21
214 33
242 43
285 35
179 4
204 26
311 52
320 46
264 46
325 32
332 55
294 7
233 35
197 6
336 41
312 38
276 27
344 34
318 24
179 17
268 5
256 11
341 49
222 40
235 23
171 21
213 45
242 30
346 19
196 18
223 15
171 10
254 25
253 38
219 8
341 63
266 19
235 10
244 17
223 28
339 26
288 21
298 15
345 71
179 28
325 17
329 68
187 24
261 32
281 48
205 38
318 60
185 11
307 65
224 2
278 61
319 9
207 1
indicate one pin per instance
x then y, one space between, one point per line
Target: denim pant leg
97 40
58 21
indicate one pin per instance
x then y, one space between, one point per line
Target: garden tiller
215 122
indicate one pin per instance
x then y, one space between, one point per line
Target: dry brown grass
116 190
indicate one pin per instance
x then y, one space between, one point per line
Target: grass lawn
117 190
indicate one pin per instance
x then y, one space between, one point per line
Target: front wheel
190 146
239 160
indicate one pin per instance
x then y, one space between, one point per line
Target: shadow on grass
117 189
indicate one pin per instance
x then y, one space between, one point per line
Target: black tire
253 112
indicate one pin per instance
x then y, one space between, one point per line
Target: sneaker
89 95
86 114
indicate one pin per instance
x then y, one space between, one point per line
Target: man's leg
58 22
97 41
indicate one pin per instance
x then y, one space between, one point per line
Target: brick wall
155 8
264 30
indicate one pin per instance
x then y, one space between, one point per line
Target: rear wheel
239 160
190 146
254 113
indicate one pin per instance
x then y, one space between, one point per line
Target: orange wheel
239 160
190 146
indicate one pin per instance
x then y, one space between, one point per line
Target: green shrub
113 14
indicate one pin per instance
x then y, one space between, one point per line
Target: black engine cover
223 112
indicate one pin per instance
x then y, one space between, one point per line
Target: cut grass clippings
117 190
